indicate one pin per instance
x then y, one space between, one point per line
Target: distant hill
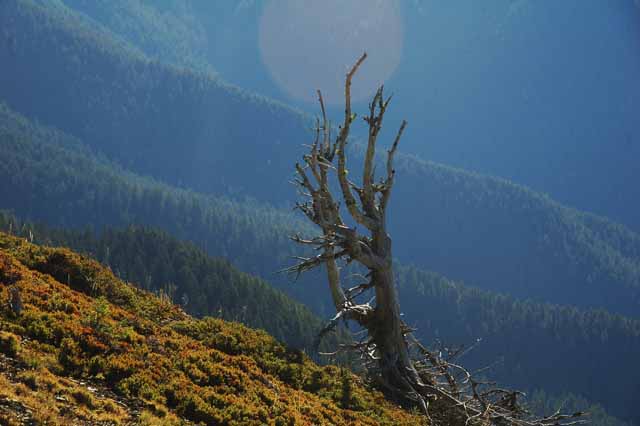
171 30
150 117
203 141
545 95
527 344
484 92
43 166
189 129
536 342
501 236
88 348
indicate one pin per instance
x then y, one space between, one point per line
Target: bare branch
341 143
375 124
406 370
386 192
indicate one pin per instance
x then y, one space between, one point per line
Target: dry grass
90 343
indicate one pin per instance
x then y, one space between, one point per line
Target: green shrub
84 397
57 303
67 357
30 378
39 326
97 318
137 386
346 399
9 344
316 382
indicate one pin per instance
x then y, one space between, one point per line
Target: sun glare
309 45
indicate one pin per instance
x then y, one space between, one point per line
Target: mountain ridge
153 144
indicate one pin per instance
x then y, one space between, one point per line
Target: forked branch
400 365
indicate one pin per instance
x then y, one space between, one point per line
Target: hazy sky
309 44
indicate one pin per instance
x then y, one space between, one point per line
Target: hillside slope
87 347
536 145
170 31
452 307
202 285
527 344
42 166
442 309
136 110
189 129
497 235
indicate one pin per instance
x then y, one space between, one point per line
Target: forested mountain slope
559 348
170 31
82 347
41 176
152 118
541 402
497 235
189 129
490 106
44 167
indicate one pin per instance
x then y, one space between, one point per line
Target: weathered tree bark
409 378
387 345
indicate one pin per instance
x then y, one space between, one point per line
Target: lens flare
310 44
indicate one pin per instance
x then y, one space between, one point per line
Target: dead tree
407 371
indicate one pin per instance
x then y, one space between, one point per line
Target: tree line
70 188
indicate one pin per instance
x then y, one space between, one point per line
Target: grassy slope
484 230
205 286
169 31
441 308
81 325
28 383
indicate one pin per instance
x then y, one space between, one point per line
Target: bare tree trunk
387 346
397 370
385 349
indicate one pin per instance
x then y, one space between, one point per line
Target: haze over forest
159 138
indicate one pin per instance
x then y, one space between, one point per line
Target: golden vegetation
90 349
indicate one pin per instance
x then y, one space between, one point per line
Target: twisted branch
405 369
